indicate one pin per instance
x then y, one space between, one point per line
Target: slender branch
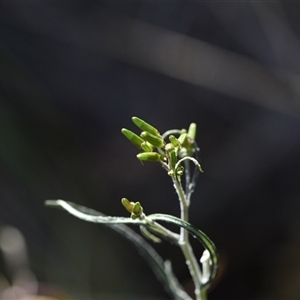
184 240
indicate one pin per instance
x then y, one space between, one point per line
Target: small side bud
171 173
127 204
144 126
137 209
192 131
154 140
169 147
132 137
148 156
180 171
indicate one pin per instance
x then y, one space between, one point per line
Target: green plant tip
144 126
132 137
148 156
154 140
192 131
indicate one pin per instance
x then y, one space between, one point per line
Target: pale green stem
184 243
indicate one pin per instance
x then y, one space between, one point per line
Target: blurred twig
167 52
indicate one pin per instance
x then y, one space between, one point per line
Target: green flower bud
148 156
183 138
127 204
144 126
192 131
132 137
174 141
147 147
154 140
137 209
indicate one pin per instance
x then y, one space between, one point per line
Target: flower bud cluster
173 149
149 139
155 149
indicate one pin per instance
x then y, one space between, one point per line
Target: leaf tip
50 202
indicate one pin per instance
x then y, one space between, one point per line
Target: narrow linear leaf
150 255
147 234
89 215
191 182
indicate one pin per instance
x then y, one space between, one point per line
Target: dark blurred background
73 74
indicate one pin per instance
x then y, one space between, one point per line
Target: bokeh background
72 75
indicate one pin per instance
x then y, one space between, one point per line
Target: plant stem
184 243
203 294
